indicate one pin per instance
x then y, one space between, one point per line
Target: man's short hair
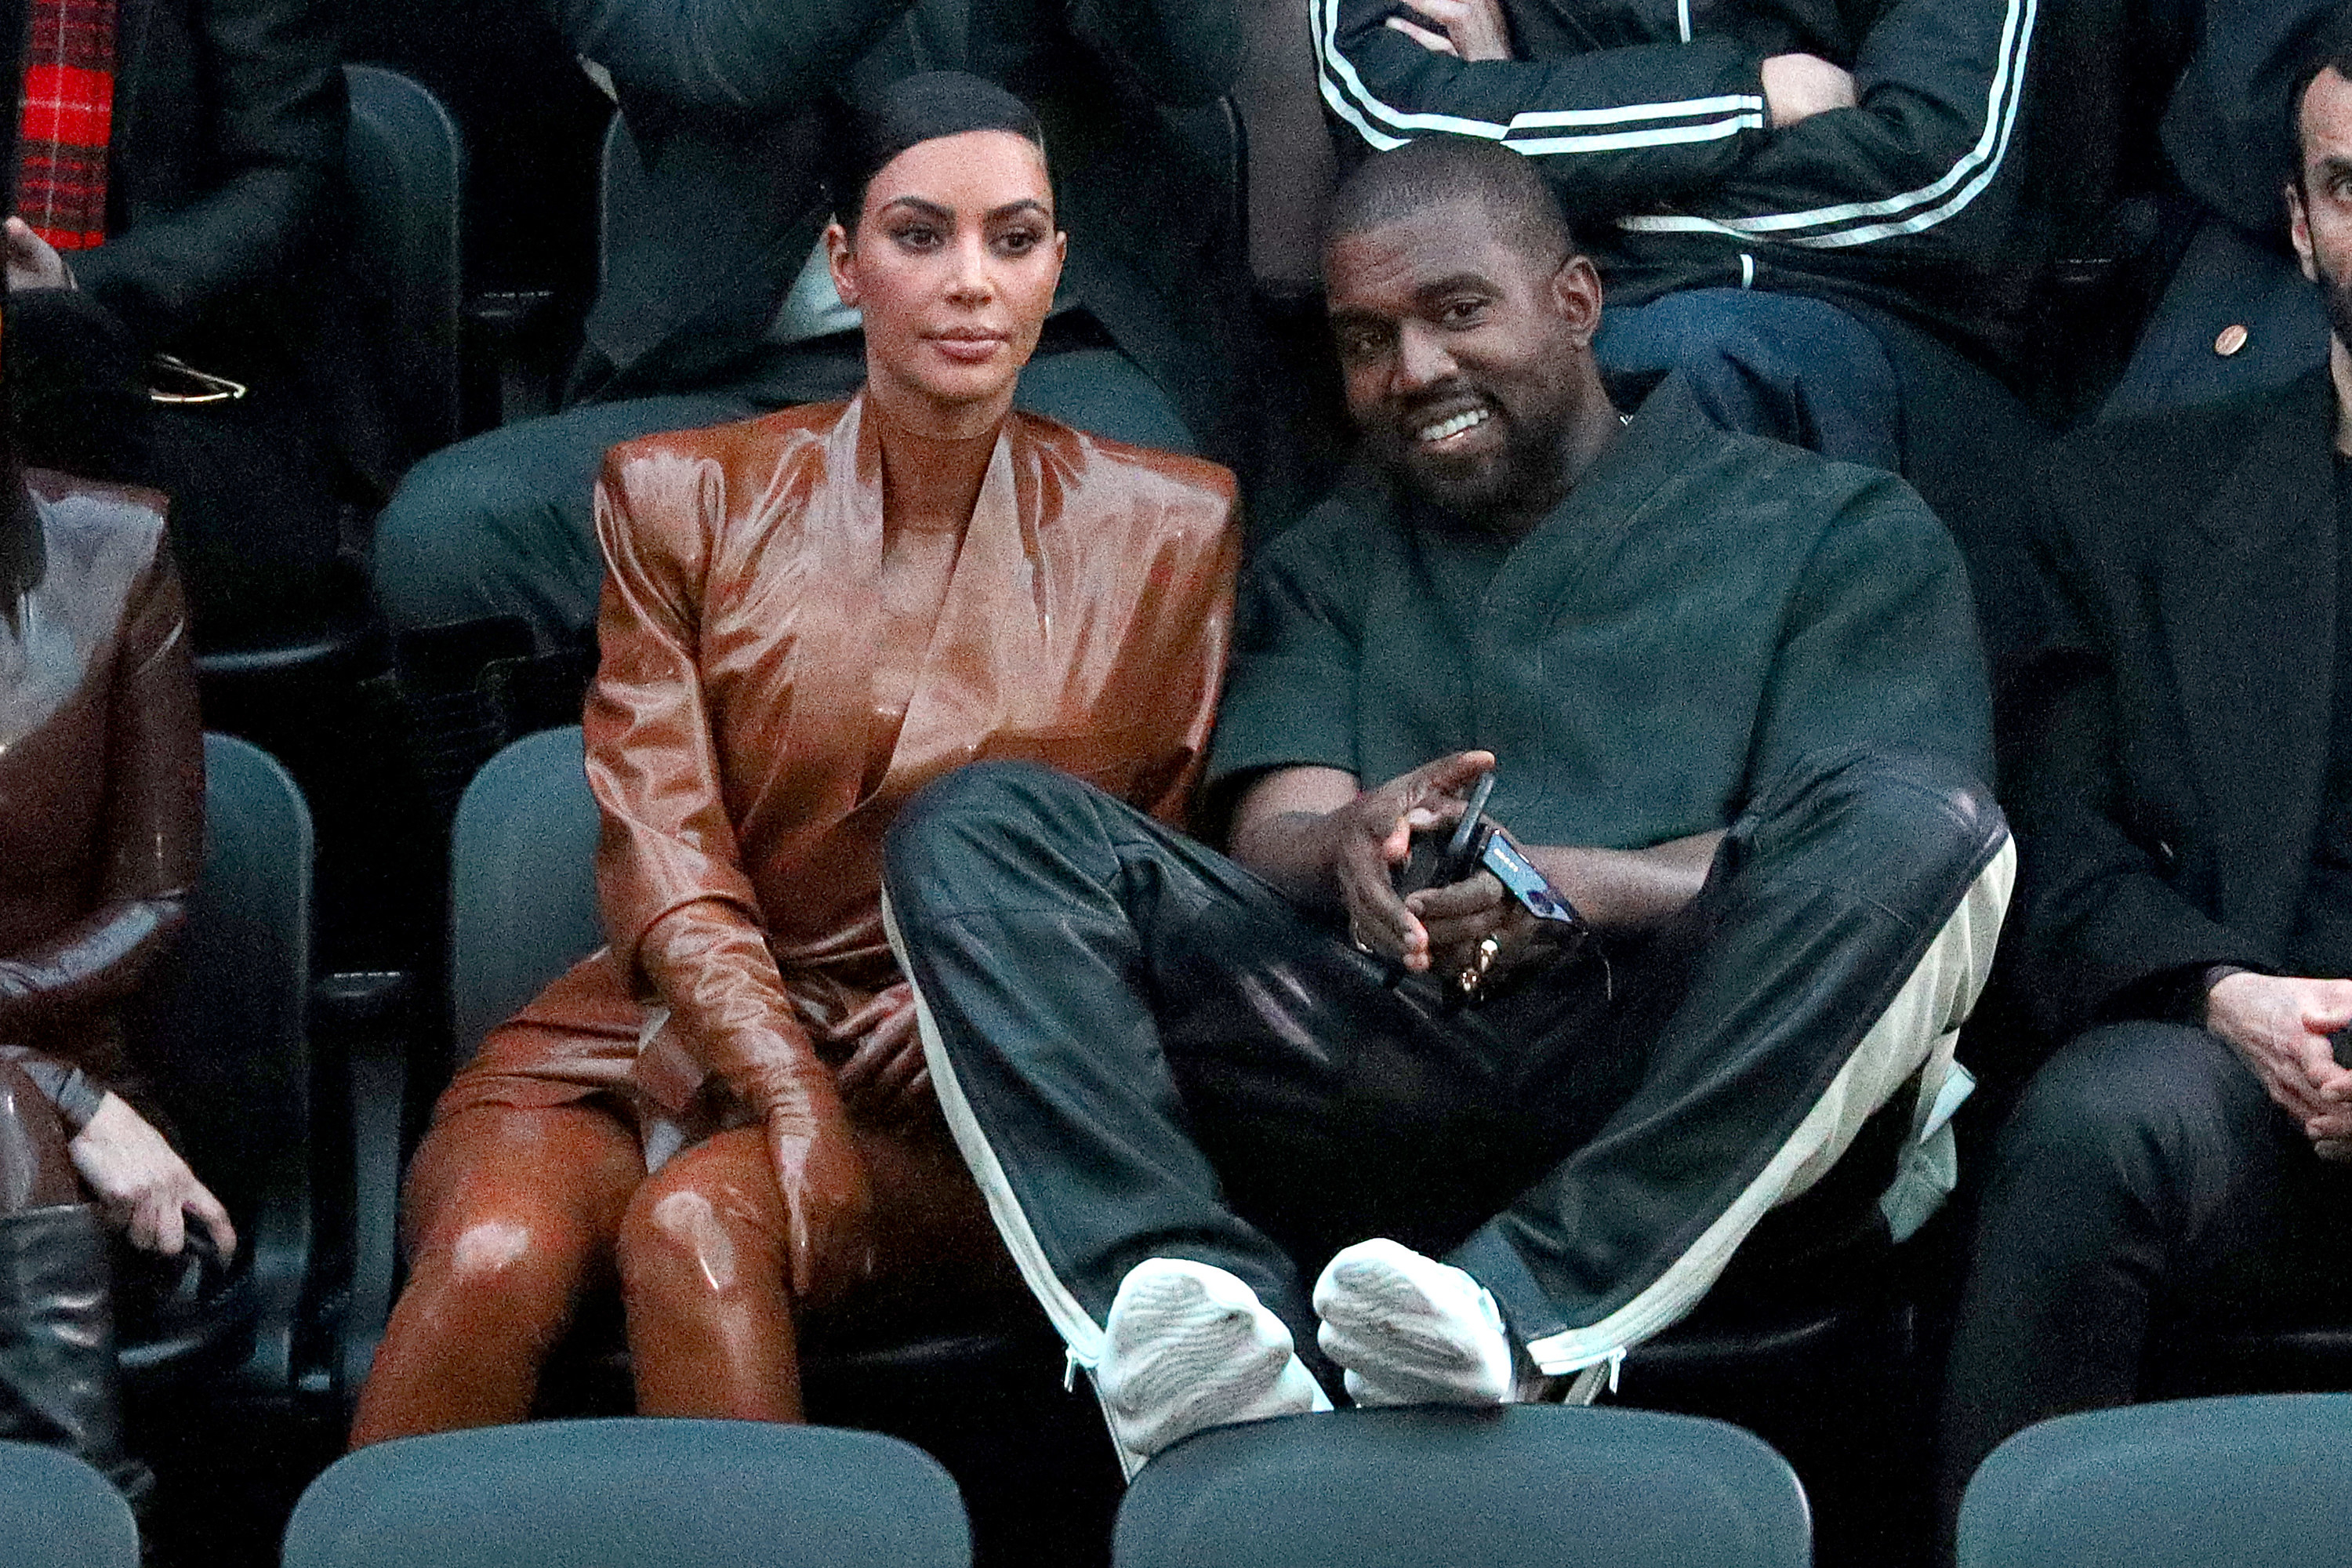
2328 48
1436 169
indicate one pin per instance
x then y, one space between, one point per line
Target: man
1735 704
1789 193
2187 814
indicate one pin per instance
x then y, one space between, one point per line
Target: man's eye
1460 312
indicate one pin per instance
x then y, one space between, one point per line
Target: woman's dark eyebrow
931 209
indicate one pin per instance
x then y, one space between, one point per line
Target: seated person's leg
1843 933
1797 370
1022 905
510 1212
2144 1177
715 1326
1104 393
500 524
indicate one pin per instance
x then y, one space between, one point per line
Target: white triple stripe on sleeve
1384 125
1859 223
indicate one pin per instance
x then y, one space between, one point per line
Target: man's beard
1519 481
2335 293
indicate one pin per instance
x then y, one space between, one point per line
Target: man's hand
1798 87
885 1075
1466 29
143 1184
1371 836
1460 916
33 262
2279 1025
829 1242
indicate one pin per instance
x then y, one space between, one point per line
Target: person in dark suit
712 309
2185 815
175 199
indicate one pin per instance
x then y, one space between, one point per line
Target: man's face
1466 359
2320 203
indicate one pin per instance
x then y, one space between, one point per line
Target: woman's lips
968 348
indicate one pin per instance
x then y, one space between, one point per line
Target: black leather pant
1145 1051
2144 1184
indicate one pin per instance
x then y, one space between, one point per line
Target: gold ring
1470 979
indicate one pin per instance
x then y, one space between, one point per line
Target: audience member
1739 712
2186 811
101 809
712 308
806 618
1789 202
2235 316
173 195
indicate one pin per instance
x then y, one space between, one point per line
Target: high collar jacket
733 742
2176 736
101 771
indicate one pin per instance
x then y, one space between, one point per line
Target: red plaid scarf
68 112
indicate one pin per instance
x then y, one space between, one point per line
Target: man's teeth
1463 421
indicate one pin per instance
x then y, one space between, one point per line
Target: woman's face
953 263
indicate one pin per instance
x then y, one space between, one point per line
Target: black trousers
1145 1051
2145 1184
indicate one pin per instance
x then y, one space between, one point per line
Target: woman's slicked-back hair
875 128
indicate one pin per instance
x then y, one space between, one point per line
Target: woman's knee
701 1226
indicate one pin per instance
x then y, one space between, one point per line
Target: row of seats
2248 1481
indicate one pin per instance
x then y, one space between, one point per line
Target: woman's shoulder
1098 470
759 440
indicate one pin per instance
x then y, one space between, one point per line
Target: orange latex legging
511 1213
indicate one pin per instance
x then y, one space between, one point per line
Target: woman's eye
1019 241
917 237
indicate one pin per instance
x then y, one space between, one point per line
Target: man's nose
1422 361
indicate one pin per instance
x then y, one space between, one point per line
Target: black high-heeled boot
59 1383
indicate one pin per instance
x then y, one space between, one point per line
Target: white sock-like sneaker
1188 1345
1411 1331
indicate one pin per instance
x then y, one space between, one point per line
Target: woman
102 807
806 617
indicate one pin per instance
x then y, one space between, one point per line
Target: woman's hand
885 1075
829 1241
142 1182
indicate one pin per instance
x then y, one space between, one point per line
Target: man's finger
1449 776
1435 42
1481 892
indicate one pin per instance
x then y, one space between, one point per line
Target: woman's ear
839 261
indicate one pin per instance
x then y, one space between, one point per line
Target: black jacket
2173 782
728 104
226 151
1649 117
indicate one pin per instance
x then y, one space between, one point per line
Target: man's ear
2298 228
837 256
1576 296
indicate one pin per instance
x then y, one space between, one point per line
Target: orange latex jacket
745 776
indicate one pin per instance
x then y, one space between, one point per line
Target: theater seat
223 1044
57 1512
643 1494
1521 1487
2253 1481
